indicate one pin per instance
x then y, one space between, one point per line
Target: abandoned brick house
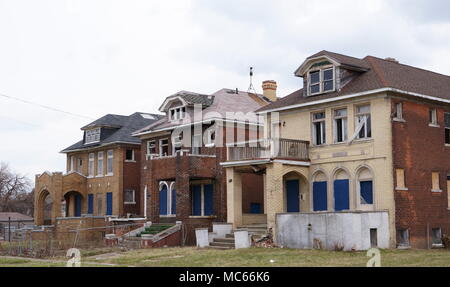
181 154
102 176
359 157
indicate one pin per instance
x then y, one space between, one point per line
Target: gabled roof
189 99
222 102
122 128
382 74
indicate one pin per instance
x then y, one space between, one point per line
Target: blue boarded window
341 194
163 200
320 196
366 191
202 196
109 206
255 208
78 205
174 200
90 204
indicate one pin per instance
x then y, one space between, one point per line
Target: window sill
436 190
363 140
90 176
109 174
398 120
434 125
99 176
168 216
437 245
210 145
129 203
447 145
401 189
130 161
202 217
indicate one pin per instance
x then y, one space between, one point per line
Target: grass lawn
254 257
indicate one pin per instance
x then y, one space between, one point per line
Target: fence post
9 229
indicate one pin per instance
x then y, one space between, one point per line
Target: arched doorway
45 208
295 186
74 204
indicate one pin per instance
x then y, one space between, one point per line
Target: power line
45 106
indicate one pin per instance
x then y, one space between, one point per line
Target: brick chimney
270 90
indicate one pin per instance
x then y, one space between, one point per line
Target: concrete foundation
333 230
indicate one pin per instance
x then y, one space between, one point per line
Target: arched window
341 192
365 186
167 198
320 197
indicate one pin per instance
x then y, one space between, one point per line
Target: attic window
92 136
177 113
321 81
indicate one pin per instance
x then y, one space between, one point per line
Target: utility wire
45 107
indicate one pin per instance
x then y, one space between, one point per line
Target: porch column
274 193
234 197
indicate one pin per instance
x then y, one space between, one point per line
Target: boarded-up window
435 181
400 175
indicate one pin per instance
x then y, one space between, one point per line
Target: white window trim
399 112
170 186
72 163
323 128
91 172
209 141
344 126
178 112
92 133
108 157
434 121
134 197
151 142
321 80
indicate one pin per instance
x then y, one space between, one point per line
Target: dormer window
177 113
92 136
321 81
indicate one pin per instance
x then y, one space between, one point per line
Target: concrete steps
257 231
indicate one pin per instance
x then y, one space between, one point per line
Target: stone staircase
256 231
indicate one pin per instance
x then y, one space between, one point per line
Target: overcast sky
96 57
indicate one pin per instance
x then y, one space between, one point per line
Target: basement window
436 236
373 238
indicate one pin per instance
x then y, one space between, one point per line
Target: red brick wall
131 180
419 149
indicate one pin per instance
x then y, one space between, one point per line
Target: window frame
161 145
202 199
92 135
134 196
109 162
344 125
91 168
72 163
433 120
436 181
153 147
407 243
398 112
100 163
133 159
322 123
447 128
177 113
433 236
322 81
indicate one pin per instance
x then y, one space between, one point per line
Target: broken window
363 122
164 147
129 155
314 82
366 191
328 80
435 182
319 128
151 147
340 125
400 176
321 81
129 196
92 135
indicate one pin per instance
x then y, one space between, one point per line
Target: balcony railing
269 148
185 151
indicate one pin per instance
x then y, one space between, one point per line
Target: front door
293 195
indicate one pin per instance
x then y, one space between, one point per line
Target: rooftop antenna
250 87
